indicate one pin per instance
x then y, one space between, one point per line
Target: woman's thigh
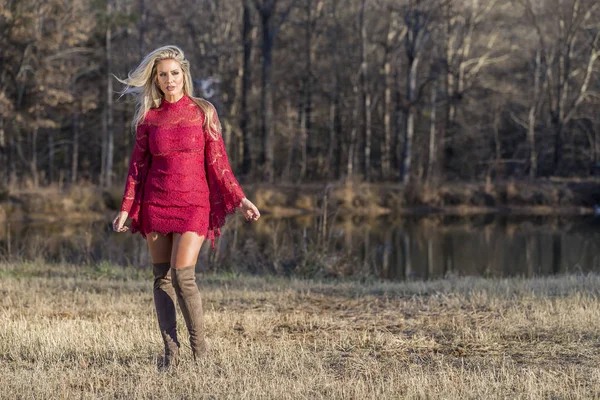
186 247
160 247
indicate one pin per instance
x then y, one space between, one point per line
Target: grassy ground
73 332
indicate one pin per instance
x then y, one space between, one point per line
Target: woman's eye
176 73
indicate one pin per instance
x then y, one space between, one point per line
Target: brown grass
72 332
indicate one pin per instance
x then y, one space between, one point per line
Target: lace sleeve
138 168
225 191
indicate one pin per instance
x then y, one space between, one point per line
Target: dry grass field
75 332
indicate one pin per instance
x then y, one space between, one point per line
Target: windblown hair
142 82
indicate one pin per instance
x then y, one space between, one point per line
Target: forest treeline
311 90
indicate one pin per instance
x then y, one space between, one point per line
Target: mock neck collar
167 104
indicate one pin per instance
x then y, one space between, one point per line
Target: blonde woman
179 187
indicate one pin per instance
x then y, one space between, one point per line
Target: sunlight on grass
69 331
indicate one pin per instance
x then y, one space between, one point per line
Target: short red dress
179 177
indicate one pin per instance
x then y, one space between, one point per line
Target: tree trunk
303 140
448 96
33 169
431 162
352 144
109 110
287 169
108 137
13 147
562 93
533 116
75 144
268 111
366 95
400 125
305 124
266 8
332 134
51 156
410 121
497 144
247 37
102 177
387 102
336 142
267 95
334 153
4 154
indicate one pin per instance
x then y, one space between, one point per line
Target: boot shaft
164 302
190 303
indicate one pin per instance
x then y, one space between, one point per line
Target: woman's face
170 78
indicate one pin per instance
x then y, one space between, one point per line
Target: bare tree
247 38
267 10
335 99
432 155
107 120
365 92
532 117
569 51
463 61
313 10
394 35
353 134
418 16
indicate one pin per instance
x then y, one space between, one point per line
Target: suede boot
190 302
164 301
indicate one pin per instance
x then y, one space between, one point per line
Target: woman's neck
173 98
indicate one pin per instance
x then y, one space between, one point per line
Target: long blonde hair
142 83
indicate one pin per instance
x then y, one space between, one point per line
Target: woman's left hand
249 210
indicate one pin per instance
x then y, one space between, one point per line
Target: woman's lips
170 88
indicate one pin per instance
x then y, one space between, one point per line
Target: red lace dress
179 177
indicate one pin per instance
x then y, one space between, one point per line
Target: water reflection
416 247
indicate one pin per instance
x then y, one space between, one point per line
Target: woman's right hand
119 222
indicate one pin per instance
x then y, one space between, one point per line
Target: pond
414 247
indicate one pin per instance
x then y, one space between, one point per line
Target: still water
416 247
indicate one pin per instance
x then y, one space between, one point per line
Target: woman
179 187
